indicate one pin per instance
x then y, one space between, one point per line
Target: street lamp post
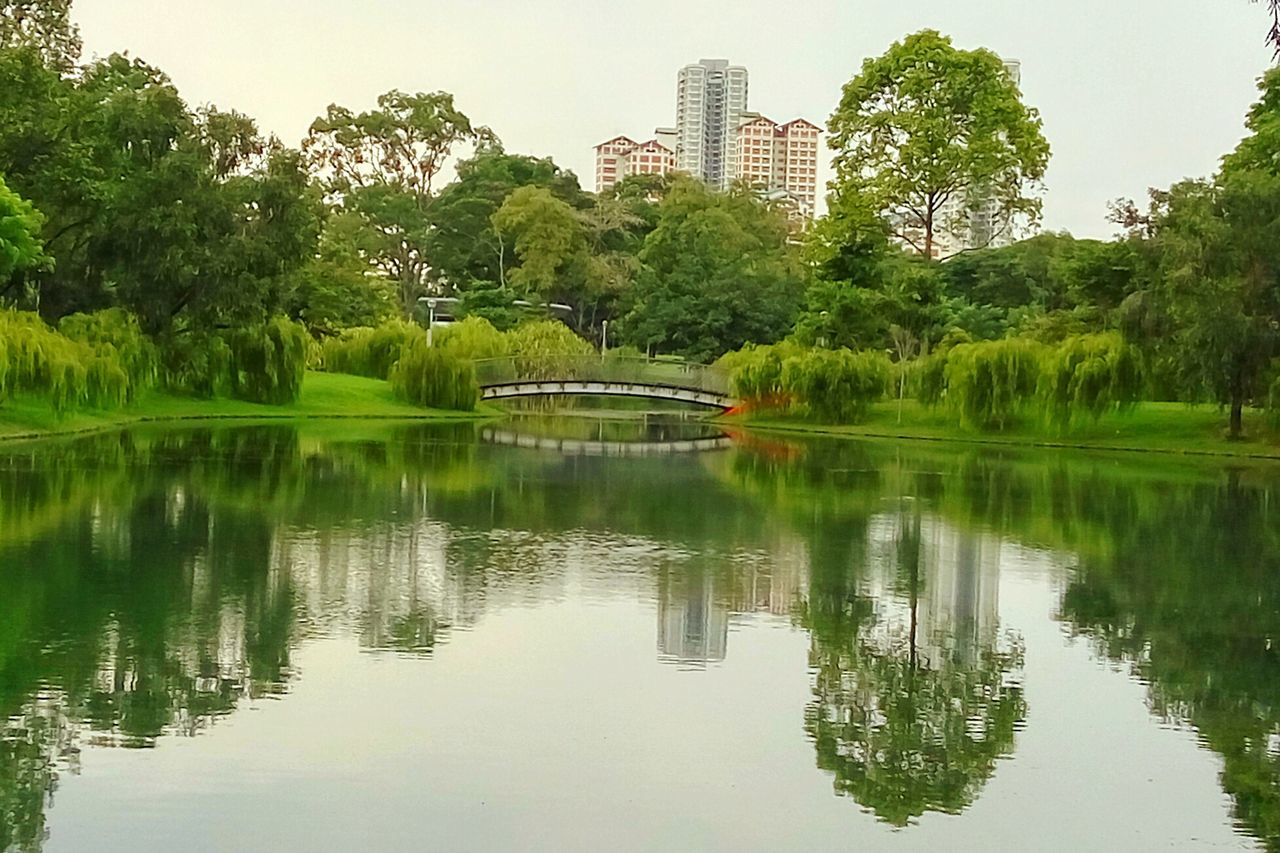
430 302
604 338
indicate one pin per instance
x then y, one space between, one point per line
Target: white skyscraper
711 97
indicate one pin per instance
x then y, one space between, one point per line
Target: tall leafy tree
1218 293
385 165
718 272
20 246
926 125
1220 287
464 245
548 239
340 288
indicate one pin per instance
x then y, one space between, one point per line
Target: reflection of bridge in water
589 447
606 376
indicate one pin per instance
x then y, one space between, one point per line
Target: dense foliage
925 125
370 352
192 235
435 377
837 386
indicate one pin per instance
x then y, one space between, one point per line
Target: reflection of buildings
390 583
697 603
956 586
693 627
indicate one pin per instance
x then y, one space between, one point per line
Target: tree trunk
1237 417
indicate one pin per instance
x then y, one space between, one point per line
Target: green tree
1219 288
20 245
44 25
464 245
926 124
549 240
340 288
384 165
718 273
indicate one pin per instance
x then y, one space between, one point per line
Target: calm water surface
587 635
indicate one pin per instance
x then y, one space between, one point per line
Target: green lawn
324 395
1162 427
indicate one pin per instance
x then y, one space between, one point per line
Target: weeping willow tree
433 376
474 338
546 349
117 341
837 386
1089 375
38 361
269 362
755 372
989 384
371 352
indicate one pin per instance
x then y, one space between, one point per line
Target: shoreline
1168 429
324 397
1253 451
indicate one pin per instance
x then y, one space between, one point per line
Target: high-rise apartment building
621 157
711 97
779 160
718 141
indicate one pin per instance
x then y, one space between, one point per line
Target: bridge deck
603 375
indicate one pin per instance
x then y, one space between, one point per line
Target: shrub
989 383
837 386
196 364
1089 375
35 359
755 372
126 363
370 352
268 363
931 378
435 377
473 338
546 349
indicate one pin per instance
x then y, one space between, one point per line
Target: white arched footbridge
605 376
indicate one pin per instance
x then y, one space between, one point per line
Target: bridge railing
595 368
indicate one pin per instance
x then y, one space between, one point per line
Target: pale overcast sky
1134 93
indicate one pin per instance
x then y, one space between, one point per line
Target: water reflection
152 583
915 694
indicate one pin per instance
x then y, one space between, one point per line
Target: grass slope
324 395
1156 427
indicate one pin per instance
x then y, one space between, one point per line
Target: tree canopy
385 165
927 135
718 272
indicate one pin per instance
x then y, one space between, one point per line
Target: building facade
717 140
779 160
711 97
622 157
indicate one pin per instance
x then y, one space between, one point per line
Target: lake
587 634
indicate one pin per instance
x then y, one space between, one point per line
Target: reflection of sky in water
501 648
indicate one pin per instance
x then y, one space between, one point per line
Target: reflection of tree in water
914 698
1188 595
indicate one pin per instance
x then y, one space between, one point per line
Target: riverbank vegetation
324 396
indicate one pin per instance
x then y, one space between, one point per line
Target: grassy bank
324 395
1149 427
